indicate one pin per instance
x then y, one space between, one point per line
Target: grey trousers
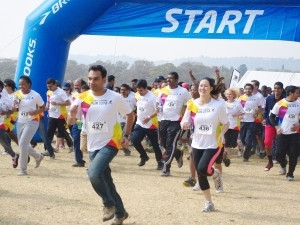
25 132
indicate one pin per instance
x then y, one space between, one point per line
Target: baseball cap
159 79
66 86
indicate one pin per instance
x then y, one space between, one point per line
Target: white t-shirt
145 106
58 96
231 109
101 118
130 99
288 115
27 103
250 106
205 119
172 102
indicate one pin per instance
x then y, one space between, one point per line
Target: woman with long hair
205 114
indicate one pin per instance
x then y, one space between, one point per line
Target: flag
234 78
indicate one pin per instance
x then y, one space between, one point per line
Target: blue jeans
76 143
100 176
247 135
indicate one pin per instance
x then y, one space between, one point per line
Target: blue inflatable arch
50 29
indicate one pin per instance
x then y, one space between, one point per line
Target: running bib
141 109
248 110
54 109
203 129
98 127
230 106
170 105
291 118
25 115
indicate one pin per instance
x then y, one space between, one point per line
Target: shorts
258 129
231 138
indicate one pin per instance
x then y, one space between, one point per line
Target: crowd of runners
165 117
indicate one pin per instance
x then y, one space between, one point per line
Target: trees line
140 69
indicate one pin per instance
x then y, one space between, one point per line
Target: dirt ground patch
57 193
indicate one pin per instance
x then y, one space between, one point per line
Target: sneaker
275 162
262 154
38 161
46 153
218 182
245 160
119 221
282 171
180 160
52 157
15 161
268 166
149 149
190 182
226 160
22 173
71 149
143 161
196 187
290 178
208 207
165 173
79 164
56 150
127 152
160 165
4 153
108 213
239 154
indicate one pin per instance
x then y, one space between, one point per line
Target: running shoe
126 151
282 171
208 207
4 153
165 173
119 221
268 166
226 160
196 187
262 154
190 182
218 182
290 178
15 161
108 213
22 173
38 161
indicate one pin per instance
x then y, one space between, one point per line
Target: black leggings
204 160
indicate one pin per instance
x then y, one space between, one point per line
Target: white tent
268 78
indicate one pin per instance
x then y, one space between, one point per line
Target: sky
14 12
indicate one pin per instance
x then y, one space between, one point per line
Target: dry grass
57 193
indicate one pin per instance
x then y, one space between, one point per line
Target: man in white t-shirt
285 117
57 100
258 127
146 123
172 100
130 99
251 108
100 108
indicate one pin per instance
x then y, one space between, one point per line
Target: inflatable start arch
50 29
